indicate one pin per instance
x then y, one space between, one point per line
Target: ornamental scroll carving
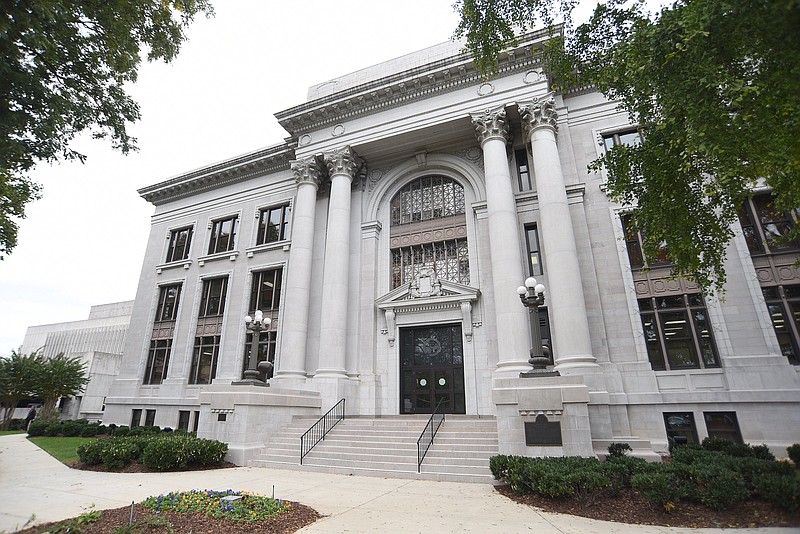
540 112
491 124
307 171
343 161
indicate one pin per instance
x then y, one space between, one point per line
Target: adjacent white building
386 239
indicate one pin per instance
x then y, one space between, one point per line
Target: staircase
387 447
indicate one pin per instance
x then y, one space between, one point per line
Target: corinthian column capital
343 161
539 113
307 171
491 124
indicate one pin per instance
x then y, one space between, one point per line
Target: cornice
238 169
408 86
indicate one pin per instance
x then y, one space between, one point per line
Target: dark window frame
634 244
427 198
783 307
272 279
627 136
662 339
136 417
756 215
408 261
273 224
168 300
180 243
720 433
676 433
201 344
213 296
222 239
534 248
524 174
149 418
183 420
157 361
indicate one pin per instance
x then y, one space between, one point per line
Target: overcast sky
83 242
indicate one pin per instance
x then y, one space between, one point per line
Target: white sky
83 242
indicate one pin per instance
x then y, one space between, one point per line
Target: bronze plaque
542 432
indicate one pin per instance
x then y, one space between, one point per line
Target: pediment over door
424 294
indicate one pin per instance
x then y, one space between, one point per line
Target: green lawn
62 449
10 432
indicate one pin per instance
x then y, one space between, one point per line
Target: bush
617 450
781 490
665 487
91 453
72 429
17 424
37 428
121 431
53 429
716 486
182 451
794 454
762 452
90 431
118 454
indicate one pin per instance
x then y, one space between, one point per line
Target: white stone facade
344 317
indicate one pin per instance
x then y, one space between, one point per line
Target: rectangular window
223 235
136 417
265 294
204 359
149 418
680 427
783 304
157 361
212 301
523 170
168 299
723 425
183 420
677 332
628 137
272 224
634 242
765 227
534 254
196 422
179 242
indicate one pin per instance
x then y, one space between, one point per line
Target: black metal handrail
428 433
318 430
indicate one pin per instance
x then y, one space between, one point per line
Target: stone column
291 358
566 304
342 167
513 328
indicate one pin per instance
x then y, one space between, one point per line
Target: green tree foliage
59 377
18 376
63 67
712 85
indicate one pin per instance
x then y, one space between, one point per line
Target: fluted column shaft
342 167
504 244
567 306
291 361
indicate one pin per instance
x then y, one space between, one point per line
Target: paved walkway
33 484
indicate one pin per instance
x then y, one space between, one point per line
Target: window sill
276 245
173 265
230 255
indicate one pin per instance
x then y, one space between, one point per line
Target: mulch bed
176 522
136 467
630 507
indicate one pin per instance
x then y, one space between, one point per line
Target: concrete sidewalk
32 483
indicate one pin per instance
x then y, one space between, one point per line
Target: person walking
30 417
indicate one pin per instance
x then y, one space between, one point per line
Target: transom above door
431 369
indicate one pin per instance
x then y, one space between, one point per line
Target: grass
65 450
11 432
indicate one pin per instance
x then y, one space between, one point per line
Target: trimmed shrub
118 454
794 454
121 431
618 450
716 486
91 453
762 452
37 428
90 431
72 429
17 424
781 490
180 452
664 487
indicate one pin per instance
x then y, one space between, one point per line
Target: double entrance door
431 369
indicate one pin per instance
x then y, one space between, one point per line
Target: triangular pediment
409 296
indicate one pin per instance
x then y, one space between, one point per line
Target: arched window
429 231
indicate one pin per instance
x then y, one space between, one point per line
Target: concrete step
387 446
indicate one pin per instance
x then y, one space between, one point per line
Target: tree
18 376
712 86
63 67
59 377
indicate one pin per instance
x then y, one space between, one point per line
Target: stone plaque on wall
542 432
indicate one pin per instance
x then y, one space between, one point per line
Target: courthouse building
386 238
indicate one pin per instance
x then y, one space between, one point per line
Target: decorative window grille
429 197
449 260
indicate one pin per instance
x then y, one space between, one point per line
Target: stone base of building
543 416
244 416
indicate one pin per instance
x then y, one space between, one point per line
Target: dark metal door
431 369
